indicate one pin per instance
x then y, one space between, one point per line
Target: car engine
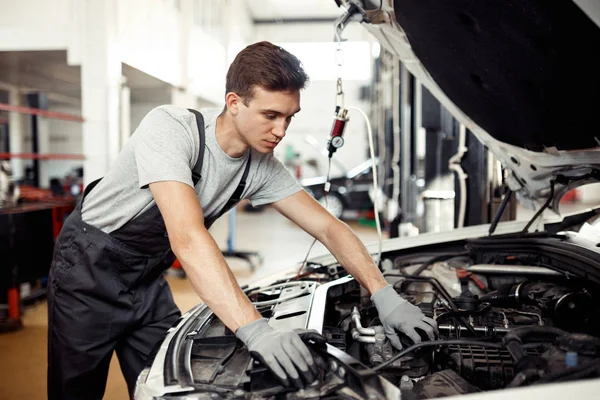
499 326
511 312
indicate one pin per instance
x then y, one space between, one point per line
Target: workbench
27 235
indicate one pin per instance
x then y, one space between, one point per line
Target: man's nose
279 129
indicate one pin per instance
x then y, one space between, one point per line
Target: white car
518 311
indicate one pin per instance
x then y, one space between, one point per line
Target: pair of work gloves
289 358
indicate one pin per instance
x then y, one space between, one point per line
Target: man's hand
283 352
396 313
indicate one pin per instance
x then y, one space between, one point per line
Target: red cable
479 284
35 156
41 113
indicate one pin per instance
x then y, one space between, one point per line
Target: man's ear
232 101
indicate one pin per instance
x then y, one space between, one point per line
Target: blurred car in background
349 192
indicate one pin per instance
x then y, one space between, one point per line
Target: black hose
518 334
513 340
515 349
520 379
435 259
429 344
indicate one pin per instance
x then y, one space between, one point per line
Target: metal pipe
380 93
454 165
405 144
539 318
363 339
512 269
396 131
359 327
487 330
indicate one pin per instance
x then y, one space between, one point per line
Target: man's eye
270 116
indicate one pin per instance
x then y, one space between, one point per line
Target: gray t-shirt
165 147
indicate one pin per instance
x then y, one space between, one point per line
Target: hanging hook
342 22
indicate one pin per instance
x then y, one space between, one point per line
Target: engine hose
436 259
521 378
514 338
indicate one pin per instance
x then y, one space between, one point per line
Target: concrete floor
280 242
23 353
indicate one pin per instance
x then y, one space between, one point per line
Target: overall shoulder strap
198 167
237 195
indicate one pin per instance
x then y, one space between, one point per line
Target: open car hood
521 75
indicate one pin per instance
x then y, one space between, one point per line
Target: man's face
262 123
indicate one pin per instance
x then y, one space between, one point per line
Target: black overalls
107 292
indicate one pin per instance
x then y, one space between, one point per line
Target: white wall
240 30
149 37
35 24
151 40
207 66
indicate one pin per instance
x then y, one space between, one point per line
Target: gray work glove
395 313
283 352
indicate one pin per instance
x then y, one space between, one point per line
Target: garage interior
76 79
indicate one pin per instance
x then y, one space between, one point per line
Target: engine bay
511 312
500 325
508 316
523 317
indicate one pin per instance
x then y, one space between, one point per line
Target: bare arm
339 239
200 256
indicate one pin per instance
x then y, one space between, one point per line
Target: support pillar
125 113
100 88
15 133
182 96
40 139
5 137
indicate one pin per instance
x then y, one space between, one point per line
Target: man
106 289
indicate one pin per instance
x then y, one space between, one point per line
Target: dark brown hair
265 65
